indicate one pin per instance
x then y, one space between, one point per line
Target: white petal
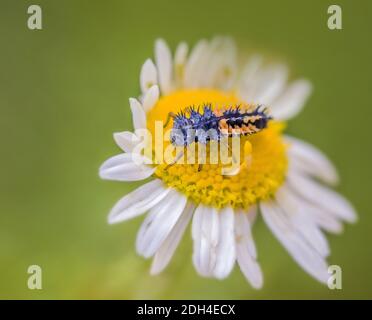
247 84
322 196
163 58
126 140
180 59
151 98
220 67
138 114
249 267
180 56
311 161
246 250
195 63
164 254
301 220
307 257
270 82
226 244
323 219
243 229
205 236
292 100
126 167
138 201
159 223
252 216
149 75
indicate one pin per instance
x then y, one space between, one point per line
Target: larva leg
170 115
178 157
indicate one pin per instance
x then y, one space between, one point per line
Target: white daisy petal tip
353 216
138 114
245 248
258 281
269 84
181 54
126 167
310 160
225 250
111 220
291 238
148 76
164 254
159 223
205 235
138 201
151 97
160 41
292 101
164 64
126 140
155 270
180 59
302 219
323 197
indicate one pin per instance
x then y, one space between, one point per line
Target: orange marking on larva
223 122
252 128
255 118
218 112
245 129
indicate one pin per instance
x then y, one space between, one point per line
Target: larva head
179 133
194 125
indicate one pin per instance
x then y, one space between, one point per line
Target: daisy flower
286 180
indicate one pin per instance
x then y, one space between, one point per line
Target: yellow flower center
263 159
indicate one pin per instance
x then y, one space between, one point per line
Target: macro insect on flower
284 179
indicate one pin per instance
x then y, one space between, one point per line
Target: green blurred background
65 89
